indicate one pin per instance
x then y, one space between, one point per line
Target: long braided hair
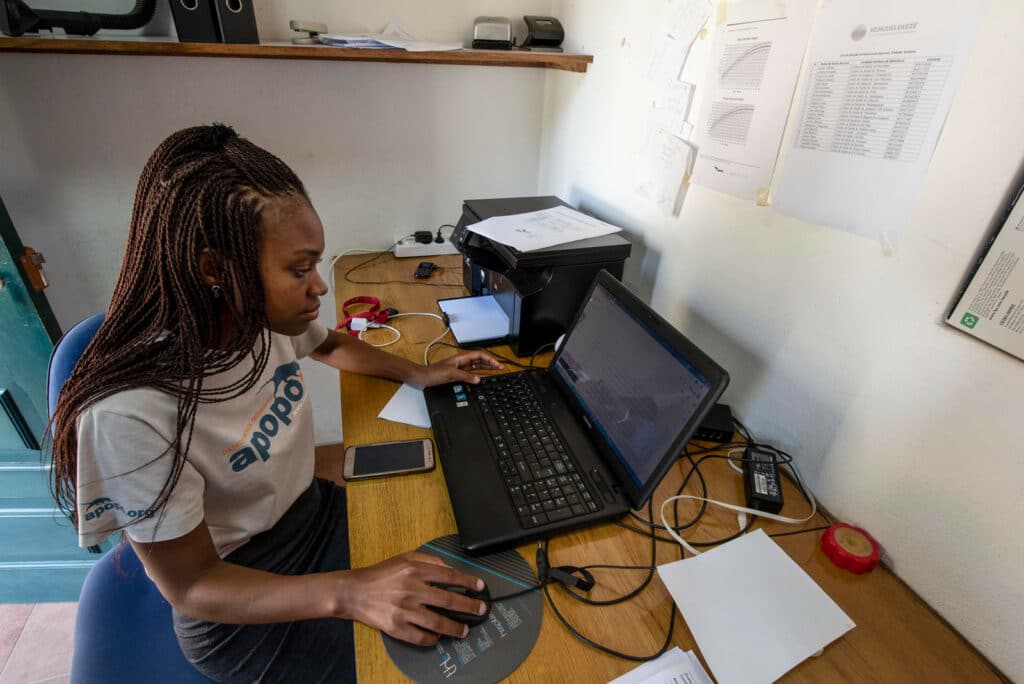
203 188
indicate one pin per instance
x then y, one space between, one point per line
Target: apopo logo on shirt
97 507
288 391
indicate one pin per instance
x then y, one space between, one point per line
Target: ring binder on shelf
195 21
237 21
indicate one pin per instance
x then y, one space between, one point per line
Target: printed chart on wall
750 81
880 81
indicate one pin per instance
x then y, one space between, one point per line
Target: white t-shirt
249 459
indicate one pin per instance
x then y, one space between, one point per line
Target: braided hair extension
204 188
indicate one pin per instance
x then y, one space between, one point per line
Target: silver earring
215 289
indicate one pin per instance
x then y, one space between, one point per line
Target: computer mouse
470 619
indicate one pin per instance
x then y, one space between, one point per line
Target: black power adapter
761 482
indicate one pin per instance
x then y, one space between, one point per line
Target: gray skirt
312 536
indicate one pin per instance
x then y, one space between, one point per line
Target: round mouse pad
495 647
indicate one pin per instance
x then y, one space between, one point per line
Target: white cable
398 335
739 509
434 341
418 313
426 351
732 464
371 326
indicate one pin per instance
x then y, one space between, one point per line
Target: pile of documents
393 37
539 229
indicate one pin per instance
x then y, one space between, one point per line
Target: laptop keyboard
540 475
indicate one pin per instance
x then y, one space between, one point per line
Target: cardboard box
991 306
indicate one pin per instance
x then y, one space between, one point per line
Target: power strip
410 248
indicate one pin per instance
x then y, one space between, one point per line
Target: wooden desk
897 638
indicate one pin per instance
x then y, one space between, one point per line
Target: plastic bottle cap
850 547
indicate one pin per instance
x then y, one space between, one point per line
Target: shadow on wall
775 406
778 402
641 269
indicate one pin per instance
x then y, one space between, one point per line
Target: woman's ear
210 267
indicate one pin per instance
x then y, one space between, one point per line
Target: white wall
837 352
383 148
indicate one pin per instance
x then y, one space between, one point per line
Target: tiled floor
36 641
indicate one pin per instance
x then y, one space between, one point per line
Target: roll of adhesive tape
850 547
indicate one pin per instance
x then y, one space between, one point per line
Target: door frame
15 246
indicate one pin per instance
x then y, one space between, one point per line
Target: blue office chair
123 628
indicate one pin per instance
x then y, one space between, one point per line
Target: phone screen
384 458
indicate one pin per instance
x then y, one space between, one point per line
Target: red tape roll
850 547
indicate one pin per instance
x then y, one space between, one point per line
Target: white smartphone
388 458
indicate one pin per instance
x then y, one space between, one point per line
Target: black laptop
533 454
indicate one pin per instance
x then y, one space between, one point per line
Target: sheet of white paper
880 81
741 11
671 105
750 81
686 17
668 58
664 168
754 613
408 406
540 229
673 42
672 667
474 319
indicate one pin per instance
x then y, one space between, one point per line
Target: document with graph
880 80
748 91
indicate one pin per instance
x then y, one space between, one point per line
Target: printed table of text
880 108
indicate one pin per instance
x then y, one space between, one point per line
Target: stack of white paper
671 667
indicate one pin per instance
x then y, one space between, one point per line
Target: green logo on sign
969 320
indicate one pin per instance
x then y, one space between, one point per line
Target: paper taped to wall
991 307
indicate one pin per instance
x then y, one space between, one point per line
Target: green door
39 555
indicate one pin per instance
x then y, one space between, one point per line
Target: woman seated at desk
187 414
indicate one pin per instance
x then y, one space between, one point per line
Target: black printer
540 290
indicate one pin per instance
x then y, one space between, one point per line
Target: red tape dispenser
850 547
357 322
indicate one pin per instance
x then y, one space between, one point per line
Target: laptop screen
637 392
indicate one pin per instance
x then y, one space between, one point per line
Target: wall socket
410 248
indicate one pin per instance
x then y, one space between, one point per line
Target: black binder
237 21
195 21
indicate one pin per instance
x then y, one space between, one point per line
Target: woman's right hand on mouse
393 596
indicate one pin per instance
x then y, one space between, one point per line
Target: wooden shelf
168 48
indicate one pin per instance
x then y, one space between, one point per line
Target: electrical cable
398 334
695 466
496 355
539 349
376 256
629 595
367 262
376 326
426 351
337 257
438 237
789 470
